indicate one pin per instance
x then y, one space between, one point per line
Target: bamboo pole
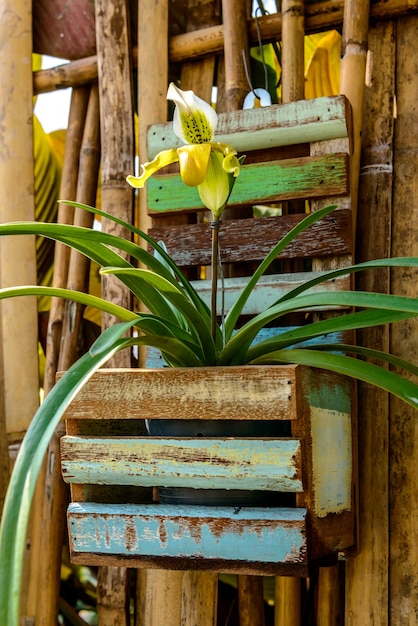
78 269
151 607
403 441
250 600
287 601
293 62
353 73
236 45
319 16
367 575
74 135
19 319
48 539
117 127
199 599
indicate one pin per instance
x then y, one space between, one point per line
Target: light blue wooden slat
307 177
267 291
278 125
198 463
219 533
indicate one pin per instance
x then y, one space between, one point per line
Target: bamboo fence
377 585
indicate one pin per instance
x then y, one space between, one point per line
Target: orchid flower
206 164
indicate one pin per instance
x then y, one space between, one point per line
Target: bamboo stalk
287 602
319 16
250 600
116 90
236 46
293 62
329 596
19 318
353 73
74 134
367 575
199 599
151 606
403 434
78 270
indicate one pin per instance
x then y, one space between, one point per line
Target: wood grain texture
198 463
298 178
367 575
249 392
278 125
403 489
252 239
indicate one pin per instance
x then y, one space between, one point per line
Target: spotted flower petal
194 120
166 157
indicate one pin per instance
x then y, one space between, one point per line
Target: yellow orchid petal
215 189
194 162
194 120
166 157
231 165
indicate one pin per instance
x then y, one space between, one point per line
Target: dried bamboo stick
319 16
250 600
236 48
199 599
48 541
367 575
74 134
151 607
115 96
287 603
353 74
293 62
403 433
78 271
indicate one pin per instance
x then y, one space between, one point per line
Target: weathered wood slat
279 125
268 290
252 239
248 392
288 179
197 463
219 538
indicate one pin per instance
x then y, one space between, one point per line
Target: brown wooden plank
194 393
251 239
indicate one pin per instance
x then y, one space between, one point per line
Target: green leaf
199 326
349 321
24 476
236 347
69 294
355 368
236 310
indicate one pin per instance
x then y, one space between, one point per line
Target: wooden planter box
111 465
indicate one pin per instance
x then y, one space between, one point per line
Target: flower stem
215 225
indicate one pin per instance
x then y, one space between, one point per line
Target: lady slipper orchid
206 164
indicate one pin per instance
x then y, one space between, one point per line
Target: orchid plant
181 326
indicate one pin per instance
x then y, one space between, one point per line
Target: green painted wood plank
288 179
271 536
198 463
303 121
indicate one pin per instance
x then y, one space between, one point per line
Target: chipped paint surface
331 460
200 463
251 534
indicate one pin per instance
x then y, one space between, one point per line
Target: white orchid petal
194 120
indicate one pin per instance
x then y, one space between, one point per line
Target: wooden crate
315 463
295 152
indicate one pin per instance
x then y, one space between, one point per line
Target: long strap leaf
24 476
236 310
348 366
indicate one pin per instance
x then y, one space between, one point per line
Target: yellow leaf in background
322 64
